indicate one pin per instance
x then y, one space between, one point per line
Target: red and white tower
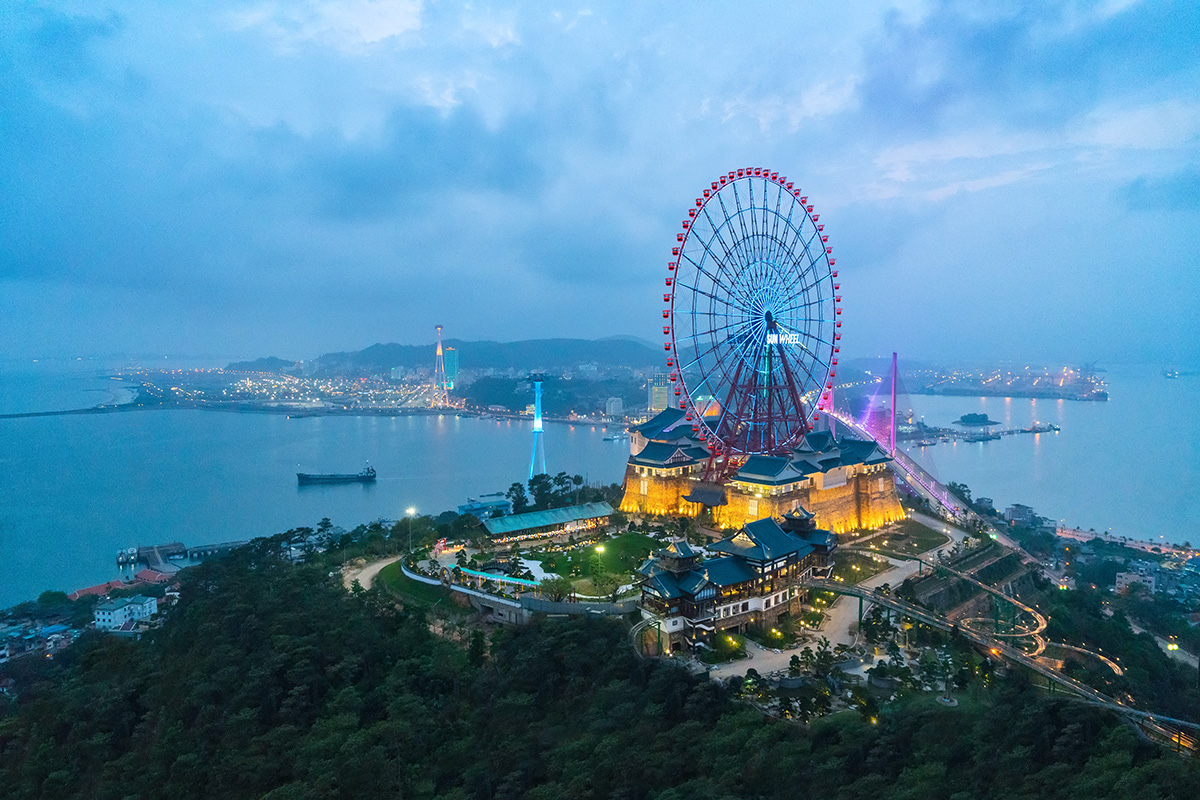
439 398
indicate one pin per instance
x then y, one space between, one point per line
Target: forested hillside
269 680
524 355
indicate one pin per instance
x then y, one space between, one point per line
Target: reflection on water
1129 464
75 489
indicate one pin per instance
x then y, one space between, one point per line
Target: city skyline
291 180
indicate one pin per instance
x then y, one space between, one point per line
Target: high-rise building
614 407
451 361
658 391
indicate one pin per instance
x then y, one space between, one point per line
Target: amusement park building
753 582
551 522
845 482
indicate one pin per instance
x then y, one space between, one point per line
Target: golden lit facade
846 483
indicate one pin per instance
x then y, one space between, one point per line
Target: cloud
320 169
1177 191
346 25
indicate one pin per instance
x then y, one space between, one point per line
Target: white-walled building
113 614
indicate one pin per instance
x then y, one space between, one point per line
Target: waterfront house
115 614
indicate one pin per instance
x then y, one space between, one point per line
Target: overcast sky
292 177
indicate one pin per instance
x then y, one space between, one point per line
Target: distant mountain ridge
528 354
268 364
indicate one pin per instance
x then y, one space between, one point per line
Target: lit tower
539 449
440 398
892 423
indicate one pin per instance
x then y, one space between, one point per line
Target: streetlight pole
410 511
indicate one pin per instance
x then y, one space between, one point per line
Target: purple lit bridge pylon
883 430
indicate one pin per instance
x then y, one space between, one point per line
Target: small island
976 421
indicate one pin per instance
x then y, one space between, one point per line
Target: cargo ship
366 476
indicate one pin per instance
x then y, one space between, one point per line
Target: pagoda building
755 579
845 482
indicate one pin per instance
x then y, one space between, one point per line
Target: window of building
752 507
745 606
645 487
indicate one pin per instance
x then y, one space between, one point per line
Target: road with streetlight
365 575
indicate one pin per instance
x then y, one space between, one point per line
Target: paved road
365 574
1182 656
843 614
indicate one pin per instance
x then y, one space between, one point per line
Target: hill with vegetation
268 364
269 680
531 354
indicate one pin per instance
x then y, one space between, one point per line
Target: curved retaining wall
460 589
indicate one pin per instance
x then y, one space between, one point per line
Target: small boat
366 476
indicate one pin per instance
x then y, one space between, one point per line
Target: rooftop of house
500 526
669 454
118 603
670 424
763 540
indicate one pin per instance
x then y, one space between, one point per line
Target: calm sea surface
75 489
1131 464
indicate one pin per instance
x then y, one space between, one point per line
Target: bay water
1130 465
74 489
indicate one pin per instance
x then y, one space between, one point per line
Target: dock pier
157 557
205 550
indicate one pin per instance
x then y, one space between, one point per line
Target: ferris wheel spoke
700 356
779 218
700 291
711 331
820 301
804 288
715 279
728 253
797 229
741 219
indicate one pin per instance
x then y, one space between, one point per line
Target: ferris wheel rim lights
761 294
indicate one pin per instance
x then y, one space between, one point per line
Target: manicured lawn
855 567
621 555
909 538
408 591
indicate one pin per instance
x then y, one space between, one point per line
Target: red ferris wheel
753 314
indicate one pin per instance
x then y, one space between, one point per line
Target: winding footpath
365 575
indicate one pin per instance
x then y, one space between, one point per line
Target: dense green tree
556 588
270 681
516 495
541 489
478 647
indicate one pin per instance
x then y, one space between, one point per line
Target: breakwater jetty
159 556
926 435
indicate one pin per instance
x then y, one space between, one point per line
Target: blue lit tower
539 449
